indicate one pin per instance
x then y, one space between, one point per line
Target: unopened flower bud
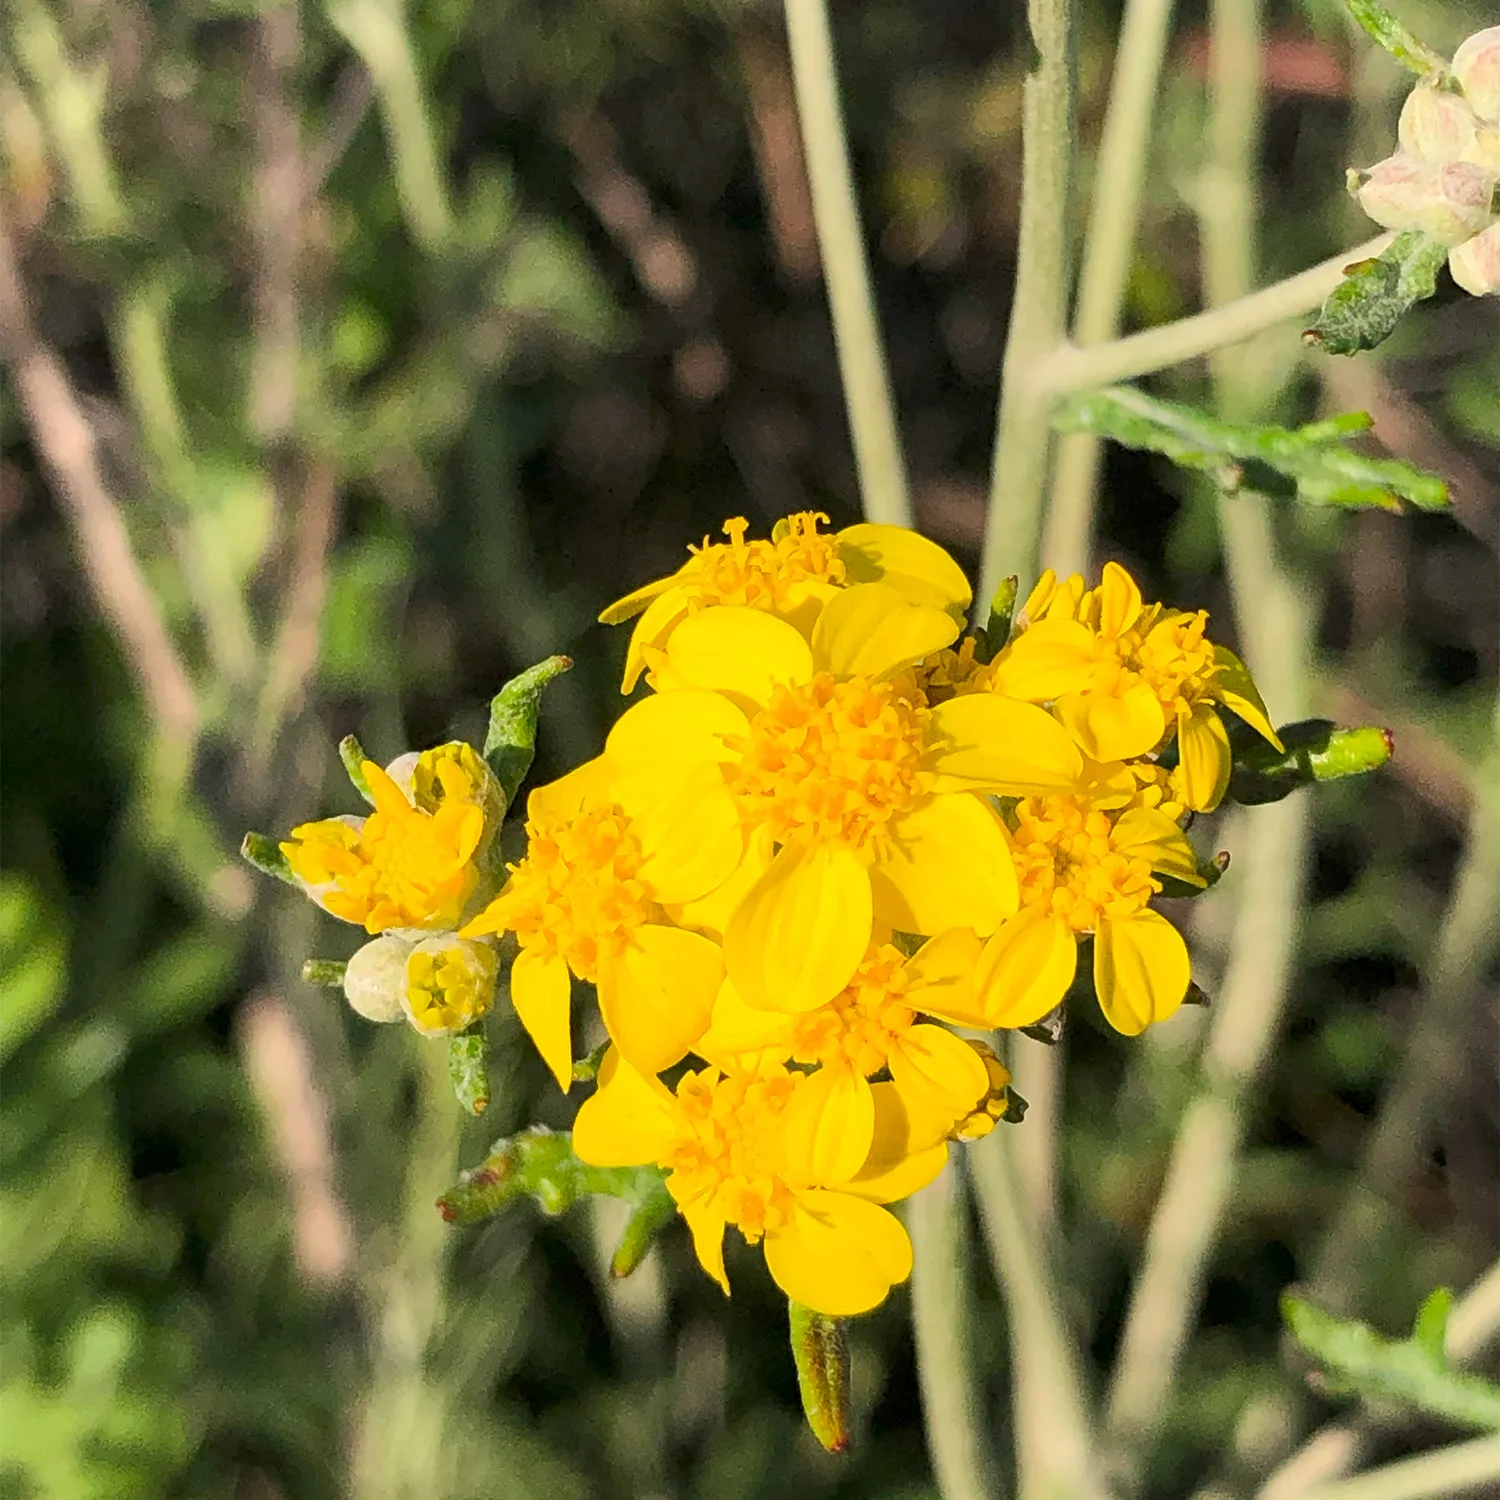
1476 69
375 977
449 984
1475 264
1435 125
992 1108
1484 149
1449 200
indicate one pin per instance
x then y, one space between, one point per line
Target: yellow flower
449 982
1082 870
876 1024
869 794
402 866
587 899
791 576
781 1156
1123 675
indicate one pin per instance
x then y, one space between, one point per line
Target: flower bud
1484 150
1448 201
1475 264
375 977
449 984
996 1102
1435 125
1476 69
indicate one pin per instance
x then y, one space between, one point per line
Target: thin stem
1460 1469
1073 369
939 1302
1108 249
846 271
1052 1428
1038 319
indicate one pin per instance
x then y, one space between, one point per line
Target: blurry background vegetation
358 353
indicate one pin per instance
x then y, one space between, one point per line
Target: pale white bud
1449 200
1436 126
1476 69
1484 149
376 978
1475 264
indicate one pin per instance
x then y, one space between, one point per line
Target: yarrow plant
839 834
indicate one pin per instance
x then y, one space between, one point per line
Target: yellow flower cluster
829 832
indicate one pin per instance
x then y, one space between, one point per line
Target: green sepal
586 1068
1390 33
265 854
1015 1107
510 744
1049 1029
641 1228
820 1350
1364 308
1316 750
1412 1371
326 973
468 1068
1211 871
352 753
990 639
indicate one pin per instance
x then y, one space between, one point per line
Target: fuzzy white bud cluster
1445 178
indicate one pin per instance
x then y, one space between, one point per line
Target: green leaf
1316 750
326 973
352 754
510 744
820 1349
1413 1372
1364 308
1312 459
265 854
468 1068
1391 34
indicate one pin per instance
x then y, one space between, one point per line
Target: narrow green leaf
995 632
1410 1371
326 973
352 753
1311 459
1364 308
1390 33
265 854
586 1068
1431 1328
820 1349
1316 750
510 744
641 1229
468 1068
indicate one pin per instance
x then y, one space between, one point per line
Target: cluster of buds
1443 180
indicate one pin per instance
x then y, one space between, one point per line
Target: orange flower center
771 574
860 1026
1176 661
728 1150
1068 865
832 761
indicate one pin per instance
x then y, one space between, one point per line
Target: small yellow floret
1068 866
450 983
773 574
860 1026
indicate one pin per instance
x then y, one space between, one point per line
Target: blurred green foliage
528 358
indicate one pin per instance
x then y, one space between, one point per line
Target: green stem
1108 248
846 272
1038 320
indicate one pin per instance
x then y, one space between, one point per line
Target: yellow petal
1234 687
559 800
920 569
653 627
657 995
637 600
801 931
871 630
707 1229
906 1153
384 793
742 652
940 978
1151 835
1119 601
688 826
947 864
1141 970
629 1121
1026 969
1046 660
542 994
666 733
738 1031
937 1073
829 1127
982 742
1114 726
711 913
1203 758
837 1254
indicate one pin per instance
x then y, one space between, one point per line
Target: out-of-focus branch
1471 1468
66 446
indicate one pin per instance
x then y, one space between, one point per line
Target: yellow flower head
1124 675
449 982
857 801
779 1155
791 576
1081 870
586 900
400 867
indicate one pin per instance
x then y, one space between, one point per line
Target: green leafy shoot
1411 1372
1388 32
820 1348
1315 750
468 1068
352 754
1364 308
1311 461
540 1164
265 854
510 743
